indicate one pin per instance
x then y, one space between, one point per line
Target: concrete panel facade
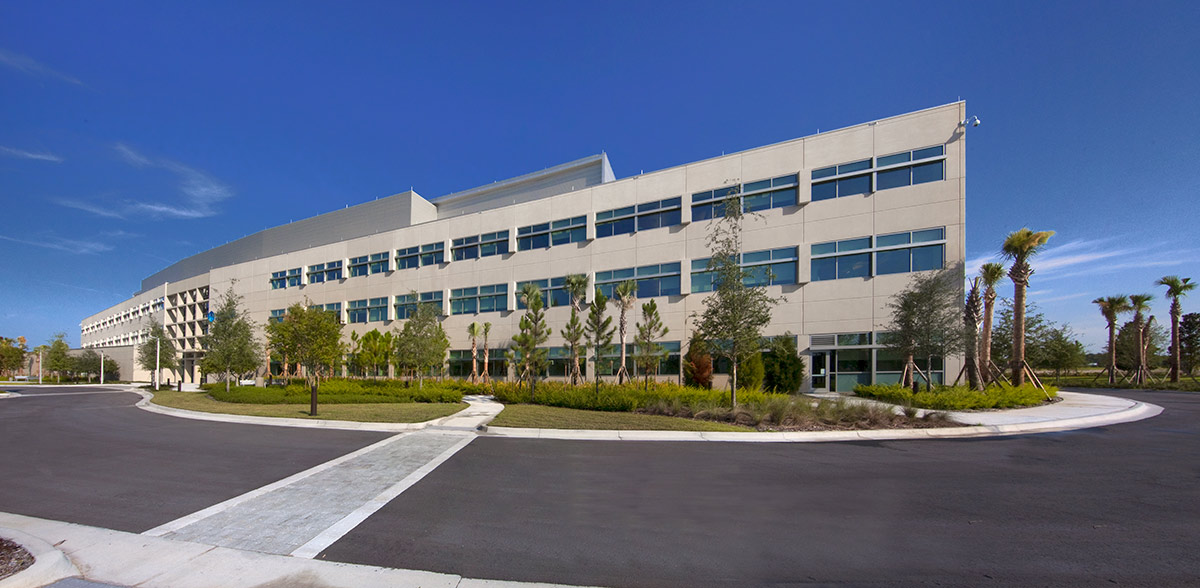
813 307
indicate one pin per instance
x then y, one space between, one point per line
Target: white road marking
339 529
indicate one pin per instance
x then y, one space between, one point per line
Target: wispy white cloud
30 66
1080 252
1063 297
200 190
104 211
130 156
35 155
66 245
120 234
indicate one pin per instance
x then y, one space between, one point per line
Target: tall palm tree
473 330
1140 303
990 274
624 297
1111 307
576 286
487 328
1018 248
1176 288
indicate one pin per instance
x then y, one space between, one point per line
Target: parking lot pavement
87 455
1080 508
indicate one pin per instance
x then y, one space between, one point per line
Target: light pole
101 368
39 368
157 355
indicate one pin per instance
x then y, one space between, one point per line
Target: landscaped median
373 401
663 406
960 397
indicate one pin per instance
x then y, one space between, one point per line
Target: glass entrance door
820 371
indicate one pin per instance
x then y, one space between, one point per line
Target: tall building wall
816 309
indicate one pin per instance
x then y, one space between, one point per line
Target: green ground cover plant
1159 382
958 397
384 412
553 417
342 391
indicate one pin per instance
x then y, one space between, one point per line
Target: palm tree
1176 288
576 286
487 328
473 331
1140 303
1111 307
624 297
1019 247
971 314
990 274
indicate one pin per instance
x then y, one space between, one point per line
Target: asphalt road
1107 506
88 456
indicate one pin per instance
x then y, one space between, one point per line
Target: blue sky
135 134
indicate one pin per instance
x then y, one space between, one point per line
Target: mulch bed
13 558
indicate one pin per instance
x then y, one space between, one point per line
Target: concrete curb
49 564
9 394
1135 412
148 406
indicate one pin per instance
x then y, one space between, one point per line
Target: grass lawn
551 417
408 412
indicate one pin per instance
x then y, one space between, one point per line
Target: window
406 304
894 253
294 278
377 310
553 292
357 311
332 307
408 258
323 272
277 315
757 195
475 247
433 253
278 280
909 168
358 266
465 248
652 280
559 232
378 263
643 217
769 267
492 298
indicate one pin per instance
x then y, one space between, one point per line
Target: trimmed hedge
339 391
958 397
629 397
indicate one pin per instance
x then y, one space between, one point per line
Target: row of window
485 245
891 254
757 195
859 177
642 217
492 298
559 232
918 166
769 267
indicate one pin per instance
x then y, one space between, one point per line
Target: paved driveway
86 455
1097 506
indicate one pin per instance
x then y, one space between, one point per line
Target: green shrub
750 373
958 397
340 391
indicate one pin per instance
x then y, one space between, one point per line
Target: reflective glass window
895 261
824 172
854 266
931 257
854 244
824 191
928 172
934 151
929 235
846 168
893 159
823 248
854 185
895 178
824 269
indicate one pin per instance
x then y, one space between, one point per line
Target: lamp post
102 368
39 368
157 355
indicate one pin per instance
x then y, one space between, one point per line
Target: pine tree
647 352
529 356
599 333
